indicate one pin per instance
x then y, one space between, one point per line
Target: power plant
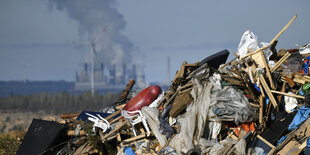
106 80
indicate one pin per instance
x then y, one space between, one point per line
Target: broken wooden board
280 62
267 89
297 145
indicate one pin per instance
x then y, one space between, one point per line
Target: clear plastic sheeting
229 104
151 115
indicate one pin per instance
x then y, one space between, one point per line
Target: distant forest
57 103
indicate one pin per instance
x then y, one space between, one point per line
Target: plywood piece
258 60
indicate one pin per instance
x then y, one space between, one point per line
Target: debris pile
257 103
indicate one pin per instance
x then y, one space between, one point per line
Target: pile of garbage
258 103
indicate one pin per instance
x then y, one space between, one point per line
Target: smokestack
77 77
102 67
112 75
85 67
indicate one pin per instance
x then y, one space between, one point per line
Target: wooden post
267 70
269 94
287 94
261 110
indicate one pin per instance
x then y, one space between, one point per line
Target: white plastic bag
250 40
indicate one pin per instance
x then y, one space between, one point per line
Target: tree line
58 103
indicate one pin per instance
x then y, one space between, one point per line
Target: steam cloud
103 24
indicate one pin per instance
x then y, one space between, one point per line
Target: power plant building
105 80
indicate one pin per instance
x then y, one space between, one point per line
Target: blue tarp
128 151
300 117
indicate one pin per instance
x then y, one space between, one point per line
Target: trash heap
257 103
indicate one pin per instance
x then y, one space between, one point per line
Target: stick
267 69
280 33
261 110
115 130
265 141
69 115
113 114
269 94
125 92
280 62
287 94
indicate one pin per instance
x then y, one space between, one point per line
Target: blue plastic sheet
300 117
308 142
306 65
281 140
128 151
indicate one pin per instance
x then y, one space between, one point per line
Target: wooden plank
280 62
261 110
115 130
134 138
290 81
265 141
228 63
69 115
282 90
116 119
258 59
112 115
72 133
249 54
267 89
280 33
267 70
287 94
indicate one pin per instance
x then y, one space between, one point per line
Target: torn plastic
292 64
229 104
305 49
151 115
194 119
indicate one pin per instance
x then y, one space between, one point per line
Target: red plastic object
144 98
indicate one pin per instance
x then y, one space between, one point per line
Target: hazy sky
35 39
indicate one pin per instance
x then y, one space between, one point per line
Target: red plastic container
144 98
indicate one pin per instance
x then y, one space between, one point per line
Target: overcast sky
35 38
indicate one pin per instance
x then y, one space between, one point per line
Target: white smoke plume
103 24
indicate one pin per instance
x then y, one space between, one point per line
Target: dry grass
11 121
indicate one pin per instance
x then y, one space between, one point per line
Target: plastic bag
250 40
